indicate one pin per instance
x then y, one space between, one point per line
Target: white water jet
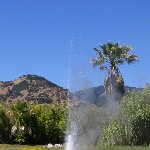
69 145
85 120
83 126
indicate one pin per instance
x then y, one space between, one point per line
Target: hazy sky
54 38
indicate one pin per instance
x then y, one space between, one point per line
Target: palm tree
110 56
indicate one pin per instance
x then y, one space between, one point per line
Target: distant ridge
33 89
95 95
37 89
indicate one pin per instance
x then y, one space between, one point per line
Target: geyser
85 120
83 126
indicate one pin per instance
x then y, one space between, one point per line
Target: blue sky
54 39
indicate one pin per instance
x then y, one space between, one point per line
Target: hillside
36 89
33 89
95 95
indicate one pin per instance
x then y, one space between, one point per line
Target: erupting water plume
85 122
85 119
83 126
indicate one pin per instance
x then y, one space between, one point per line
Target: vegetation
32 124
41 124
39 78
110 56
33 89
132 126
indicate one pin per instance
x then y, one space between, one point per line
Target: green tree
132 125
110 56
4 125
21 122
136 109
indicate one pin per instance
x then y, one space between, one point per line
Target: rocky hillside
33 89
36 89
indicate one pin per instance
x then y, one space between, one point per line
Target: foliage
32 124
55 124
4 126
110 55
51 121
133 128
39 78
20 86
136 107
114 133
41 124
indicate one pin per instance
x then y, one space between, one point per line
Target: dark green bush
21 120
32 124
141 130
4 126
55 122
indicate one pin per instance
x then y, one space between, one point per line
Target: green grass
122 148
25 147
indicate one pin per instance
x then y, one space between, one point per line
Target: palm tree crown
112 55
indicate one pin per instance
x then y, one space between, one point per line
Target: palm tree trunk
114 84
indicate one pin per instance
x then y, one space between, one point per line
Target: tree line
25 123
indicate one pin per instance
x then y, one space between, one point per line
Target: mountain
37 89
95 95
33 89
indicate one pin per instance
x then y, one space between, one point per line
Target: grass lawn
25 147
123 148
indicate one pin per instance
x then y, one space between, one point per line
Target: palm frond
97 61
120 61
131 59
103 68
98 51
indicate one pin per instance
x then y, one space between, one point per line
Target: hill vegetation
38 90
33 89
